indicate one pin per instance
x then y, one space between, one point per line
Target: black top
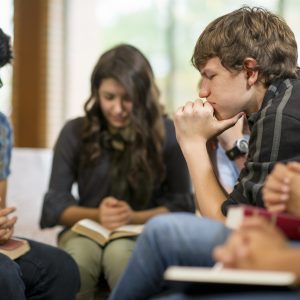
93 183
275 136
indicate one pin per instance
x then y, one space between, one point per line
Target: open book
14 248
102 235
288 223
200 280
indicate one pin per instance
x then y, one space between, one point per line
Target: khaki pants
94 260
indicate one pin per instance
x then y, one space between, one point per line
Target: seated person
44 272
244 247
124 156
241 78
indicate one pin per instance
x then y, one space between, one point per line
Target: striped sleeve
274 137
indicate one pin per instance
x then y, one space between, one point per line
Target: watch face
243 145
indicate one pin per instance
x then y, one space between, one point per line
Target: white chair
27 184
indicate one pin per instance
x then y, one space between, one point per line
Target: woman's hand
114 213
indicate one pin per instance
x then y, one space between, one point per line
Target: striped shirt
275 136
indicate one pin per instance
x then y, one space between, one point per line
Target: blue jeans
238 296
171 239
45 272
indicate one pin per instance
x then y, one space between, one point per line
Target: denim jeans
45 272
237 296
174 239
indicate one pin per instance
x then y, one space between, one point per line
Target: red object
288 223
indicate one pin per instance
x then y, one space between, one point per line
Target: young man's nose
204 90
203 93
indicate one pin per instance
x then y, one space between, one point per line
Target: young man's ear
250 66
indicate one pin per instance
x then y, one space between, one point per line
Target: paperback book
14 248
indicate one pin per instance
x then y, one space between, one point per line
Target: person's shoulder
289 99
4 122
72 129
282 97
74 124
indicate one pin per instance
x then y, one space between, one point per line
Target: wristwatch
240 148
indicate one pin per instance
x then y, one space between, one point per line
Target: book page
126 231
229 276
92 225
130 228
235 216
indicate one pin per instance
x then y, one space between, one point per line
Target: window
79 31
165 30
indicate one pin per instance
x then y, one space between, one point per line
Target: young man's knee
161 221
164 227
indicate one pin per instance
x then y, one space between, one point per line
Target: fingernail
284 197
286 180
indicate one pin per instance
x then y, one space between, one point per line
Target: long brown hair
127 65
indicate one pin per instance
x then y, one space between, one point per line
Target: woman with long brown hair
124 156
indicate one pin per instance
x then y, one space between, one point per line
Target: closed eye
108 96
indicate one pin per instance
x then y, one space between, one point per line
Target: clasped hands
114 213
195 122
256 245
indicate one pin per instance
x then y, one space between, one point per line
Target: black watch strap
240 148
233 153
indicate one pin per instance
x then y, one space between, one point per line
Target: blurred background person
124 156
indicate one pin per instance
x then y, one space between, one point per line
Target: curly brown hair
250 32
5 49
128 66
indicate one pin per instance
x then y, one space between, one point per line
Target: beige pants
94 260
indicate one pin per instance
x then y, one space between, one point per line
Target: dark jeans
45 272
291 295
